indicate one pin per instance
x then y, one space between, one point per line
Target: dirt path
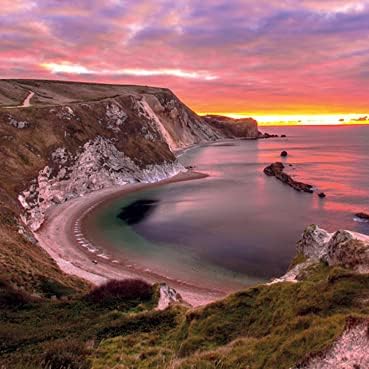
26 103
27 100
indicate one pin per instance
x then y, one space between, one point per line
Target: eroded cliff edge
75 138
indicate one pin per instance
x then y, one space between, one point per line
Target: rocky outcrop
168 296
349 351
99 165
277 170
267 135
95 136
20 124
343 248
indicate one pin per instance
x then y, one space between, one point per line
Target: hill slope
74 138
319 321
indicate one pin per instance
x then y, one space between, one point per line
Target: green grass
298 259
37 333
269 327
263 327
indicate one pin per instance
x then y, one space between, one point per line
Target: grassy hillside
13 92
29 136
140 122
49 320
274 327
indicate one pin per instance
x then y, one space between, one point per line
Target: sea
239 227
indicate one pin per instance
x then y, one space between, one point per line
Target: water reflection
242 222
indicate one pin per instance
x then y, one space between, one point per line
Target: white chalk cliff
83 146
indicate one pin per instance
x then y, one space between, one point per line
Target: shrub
115 292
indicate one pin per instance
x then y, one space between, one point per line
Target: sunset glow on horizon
296 120
280 62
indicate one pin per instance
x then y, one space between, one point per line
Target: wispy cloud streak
247 56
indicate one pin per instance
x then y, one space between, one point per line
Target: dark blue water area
239 226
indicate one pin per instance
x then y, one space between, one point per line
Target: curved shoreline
61 236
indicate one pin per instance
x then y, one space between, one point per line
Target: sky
276 60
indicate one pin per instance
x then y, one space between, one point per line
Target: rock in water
362 216
276 170
284 154
322 195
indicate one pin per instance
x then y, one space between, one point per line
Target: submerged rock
137 211
276 170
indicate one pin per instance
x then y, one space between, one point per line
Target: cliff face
74 138
244 128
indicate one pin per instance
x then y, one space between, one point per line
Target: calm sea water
238 226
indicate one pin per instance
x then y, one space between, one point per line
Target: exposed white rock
99 165
167 297
17 124
177 125
115 116
65 112
145 110
350 351
314 242
293 274
343 248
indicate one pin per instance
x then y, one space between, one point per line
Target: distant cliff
237 128
76 138
59 140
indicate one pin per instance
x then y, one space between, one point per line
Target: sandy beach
62 238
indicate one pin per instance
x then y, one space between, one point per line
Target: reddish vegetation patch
126 290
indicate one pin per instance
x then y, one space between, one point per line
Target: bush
115 292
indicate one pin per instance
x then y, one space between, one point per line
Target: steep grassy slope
276 326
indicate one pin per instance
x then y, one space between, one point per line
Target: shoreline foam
61 237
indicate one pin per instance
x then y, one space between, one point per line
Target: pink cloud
236 56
